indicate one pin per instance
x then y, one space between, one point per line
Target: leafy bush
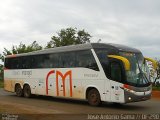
156 88
157 84
1 84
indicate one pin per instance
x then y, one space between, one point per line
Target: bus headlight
129 98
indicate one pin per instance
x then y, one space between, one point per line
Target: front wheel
27 91
94 97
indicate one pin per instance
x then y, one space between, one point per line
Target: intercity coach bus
95 72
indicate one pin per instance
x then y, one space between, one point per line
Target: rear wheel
19 90
94 97
27 91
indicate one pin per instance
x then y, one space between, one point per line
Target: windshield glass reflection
138 74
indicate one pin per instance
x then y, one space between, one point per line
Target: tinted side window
13 63
7 63
102 56
86 59
53 60
116 73
35 61
26 62
56 60
45 61
38 61
41 61
67 59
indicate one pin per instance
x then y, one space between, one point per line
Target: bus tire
94 97
18 90
27 91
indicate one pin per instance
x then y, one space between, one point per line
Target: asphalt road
58 106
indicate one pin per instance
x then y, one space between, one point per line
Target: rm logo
63 78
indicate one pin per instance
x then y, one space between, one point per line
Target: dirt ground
22 109
31 112
25 112
17 108
156 94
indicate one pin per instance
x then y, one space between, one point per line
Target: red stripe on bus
5 69
11 56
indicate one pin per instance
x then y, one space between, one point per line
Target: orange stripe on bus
51 72
58 73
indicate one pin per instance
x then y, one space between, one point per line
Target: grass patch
1 84
156 88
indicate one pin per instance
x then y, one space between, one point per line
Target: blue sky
134 23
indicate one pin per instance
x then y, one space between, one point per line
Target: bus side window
38 61
54 60
116 73
67 59
25 63
86 59
15 63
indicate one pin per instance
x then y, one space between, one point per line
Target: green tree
5 53
69 36
1 72
21 48
157 72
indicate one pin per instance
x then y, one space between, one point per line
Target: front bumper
135 97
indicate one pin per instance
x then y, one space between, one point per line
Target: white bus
96 72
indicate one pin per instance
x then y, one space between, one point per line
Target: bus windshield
139 72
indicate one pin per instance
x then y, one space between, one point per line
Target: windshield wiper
141 72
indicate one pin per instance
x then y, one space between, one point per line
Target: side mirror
125 61
154 62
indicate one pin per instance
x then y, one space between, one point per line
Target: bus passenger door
117 94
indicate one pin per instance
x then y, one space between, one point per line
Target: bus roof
116 47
